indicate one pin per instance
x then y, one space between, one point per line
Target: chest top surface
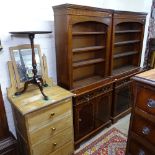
146 77
33 100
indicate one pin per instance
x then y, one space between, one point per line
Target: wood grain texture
141 131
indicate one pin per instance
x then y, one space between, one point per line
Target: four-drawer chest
44 127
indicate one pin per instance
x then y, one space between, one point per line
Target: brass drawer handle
151 103
145 130
52 114
53 129
54 144
141 152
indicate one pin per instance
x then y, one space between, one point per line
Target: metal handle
151 103
145 130
53 129
52 114
54 144
141 152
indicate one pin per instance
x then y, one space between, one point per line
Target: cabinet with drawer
44 127
141 138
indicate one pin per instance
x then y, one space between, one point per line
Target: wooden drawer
146 99
49 114
50 130
144 128
53 143
67 149
92 94
136 148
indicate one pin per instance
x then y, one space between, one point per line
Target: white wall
20 15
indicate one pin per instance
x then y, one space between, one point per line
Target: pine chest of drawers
141 138
44 127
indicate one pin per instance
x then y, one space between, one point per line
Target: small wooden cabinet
97 48
141 137
44 126
92 110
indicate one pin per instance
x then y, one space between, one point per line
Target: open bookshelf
126 47
89 52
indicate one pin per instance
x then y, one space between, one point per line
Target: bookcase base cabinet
122 98
92 112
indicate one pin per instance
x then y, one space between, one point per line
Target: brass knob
52 114
53 129
54 144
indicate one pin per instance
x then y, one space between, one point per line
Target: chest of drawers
141 138
44 127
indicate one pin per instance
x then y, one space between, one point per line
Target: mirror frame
21 47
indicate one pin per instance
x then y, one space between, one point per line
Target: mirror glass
23 59
22 62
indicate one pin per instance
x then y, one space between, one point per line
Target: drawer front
50 130
144 128
67 149
48 115
90 95
53 143
136 148
146 99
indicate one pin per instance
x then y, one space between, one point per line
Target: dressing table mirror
21 57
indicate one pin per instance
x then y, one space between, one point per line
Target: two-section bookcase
97 52
127 39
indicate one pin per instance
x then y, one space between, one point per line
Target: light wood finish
64 150
44 116
50 129
53 143
42 126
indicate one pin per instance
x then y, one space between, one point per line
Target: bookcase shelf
88 33
86 81
127 31
124 54
87 62
91 48
123 69
126 42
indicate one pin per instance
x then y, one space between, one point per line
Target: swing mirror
21 57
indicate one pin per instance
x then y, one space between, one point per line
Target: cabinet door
102 106
122 98
83 119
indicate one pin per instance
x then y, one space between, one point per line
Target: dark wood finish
141 137
4 129
97 48
8 144
127 38
92 112
87 38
